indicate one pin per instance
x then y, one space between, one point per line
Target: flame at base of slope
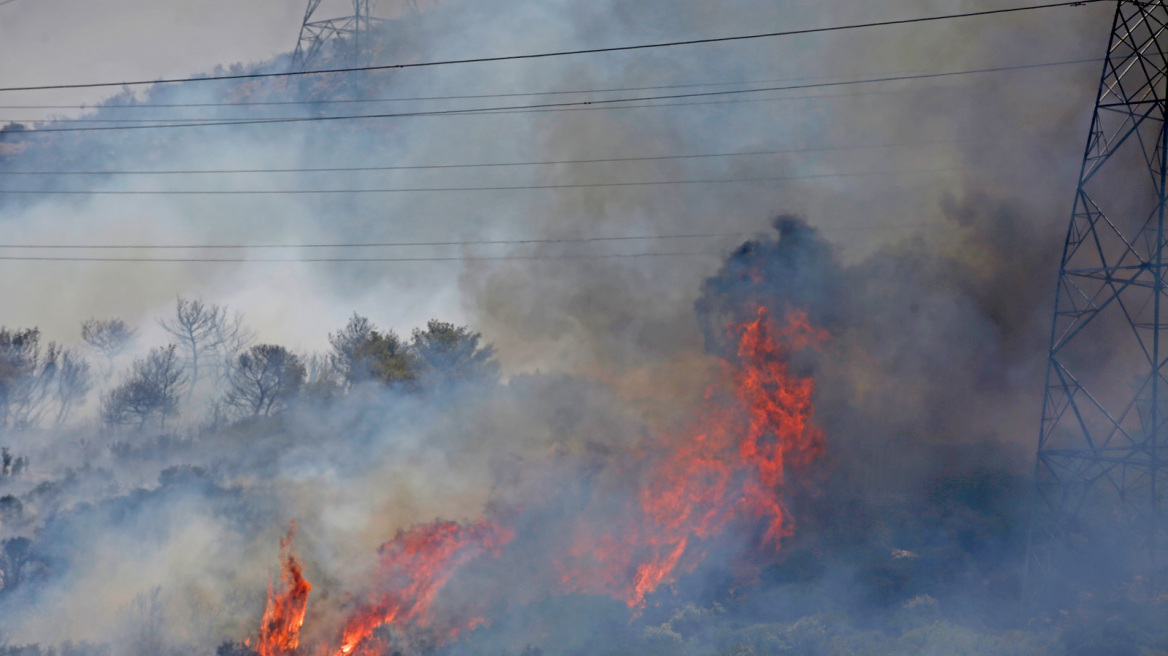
728 464
284 614
415 566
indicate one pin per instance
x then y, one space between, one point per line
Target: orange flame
415 566
728 464
284 613
731 460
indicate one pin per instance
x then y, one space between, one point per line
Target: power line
560 53
444 112
303 192
518 109
199 122
608 102
475 242
477 96
916 227
19 258
515 109
427 167
346 101
489 111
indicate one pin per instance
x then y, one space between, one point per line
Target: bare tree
208 337
229 339
194 326
19 351
26 374
152 390
72 383
110 337
265 378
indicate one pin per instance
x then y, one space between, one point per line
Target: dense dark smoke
919 225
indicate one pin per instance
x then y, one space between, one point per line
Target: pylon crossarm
1129 103
1104 454
1110 282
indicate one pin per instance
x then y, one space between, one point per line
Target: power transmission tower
1104 438
350 31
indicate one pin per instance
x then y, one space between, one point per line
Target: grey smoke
935 286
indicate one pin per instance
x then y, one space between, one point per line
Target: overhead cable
34 258
475 165
610 102
477 96
473 242
915 226
560 53
399 190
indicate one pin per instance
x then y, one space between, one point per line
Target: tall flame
284 613
693 484
730 461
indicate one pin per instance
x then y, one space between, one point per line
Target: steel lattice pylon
315 33
1104 431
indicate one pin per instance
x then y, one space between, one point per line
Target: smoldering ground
931 271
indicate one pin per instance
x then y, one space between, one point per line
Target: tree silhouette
71 383
110 337
196 327
448 353
151 391
27 374
347 341
265 379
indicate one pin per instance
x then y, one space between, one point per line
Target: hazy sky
51 41
921 145
945 201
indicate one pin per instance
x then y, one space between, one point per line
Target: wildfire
730 461
284 613
415 566
690 487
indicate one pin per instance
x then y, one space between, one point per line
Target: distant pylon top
348 31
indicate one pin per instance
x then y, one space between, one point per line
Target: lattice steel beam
1102 446
350 31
